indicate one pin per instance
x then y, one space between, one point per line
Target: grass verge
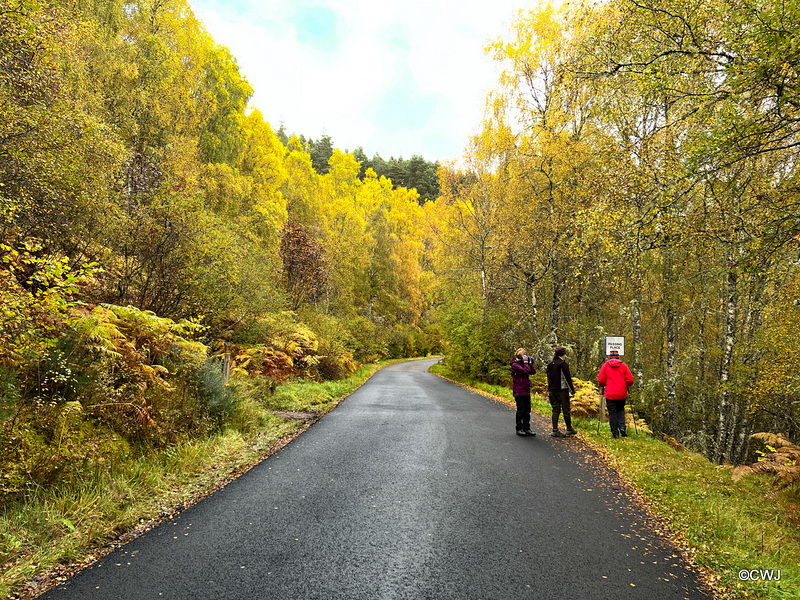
54 532
724 525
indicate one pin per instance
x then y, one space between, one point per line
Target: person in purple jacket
521 369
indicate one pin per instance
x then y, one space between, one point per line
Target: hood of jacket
614 362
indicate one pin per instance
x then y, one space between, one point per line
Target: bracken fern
782 460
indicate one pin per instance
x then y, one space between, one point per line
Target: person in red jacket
616 378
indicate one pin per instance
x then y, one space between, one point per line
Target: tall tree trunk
752 323
743 439
701 376
670 378
732 425
636 326
731 300
555 314
670 381
539 350
669 294
636 318
638 371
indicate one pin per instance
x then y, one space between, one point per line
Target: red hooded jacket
616 377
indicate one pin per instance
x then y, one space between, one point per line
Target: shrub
139 369
365 340
218 398
586 401
336 365
284 348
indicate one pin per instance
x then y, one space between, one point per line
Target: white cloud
398 78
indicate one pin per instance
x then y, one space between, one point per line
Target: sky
396 77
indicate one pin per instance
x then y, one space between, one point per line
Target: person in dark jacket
521 369
559 390
616 378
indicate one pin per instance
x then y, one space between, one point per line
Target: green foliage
336 347
475 341
221 139
406 340
321 152
37 297
58 156
415 173
117 375
220 400
627 182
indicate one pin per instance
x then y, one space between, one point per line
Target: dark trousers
523 412
560 402
616 416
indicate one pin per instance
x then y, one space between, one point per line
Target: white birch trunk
636 317
670 377
670 381
701 382
731 300
555 315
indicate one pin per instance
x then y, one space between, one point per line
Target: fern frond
783 460
772 439
671 441
764 467
742 471
787 477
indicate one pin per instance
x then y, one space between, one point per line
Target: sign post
601 409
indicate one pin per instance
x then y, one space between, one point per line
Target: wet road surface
411 488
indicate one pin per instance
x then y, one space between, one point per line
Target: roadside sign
615 343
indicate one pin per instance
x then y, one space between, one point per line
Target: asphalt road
412 488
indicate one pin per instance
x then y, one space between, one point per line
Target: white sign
615 343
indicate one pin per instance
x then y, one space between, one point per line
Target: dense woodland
416 172
636 175
151 219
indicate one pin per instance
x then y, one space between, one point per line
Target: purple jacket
520 384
